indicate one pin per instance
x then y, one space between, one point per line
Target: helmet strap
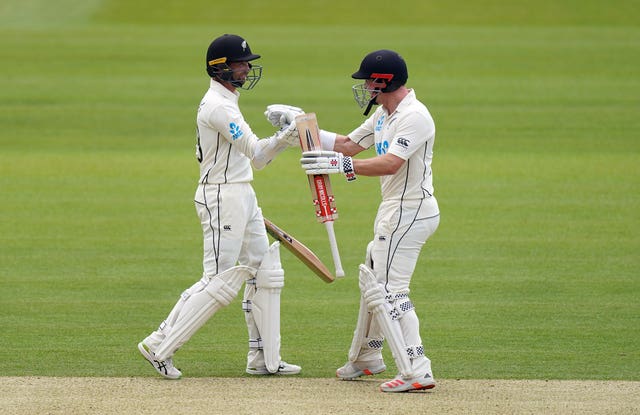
371 102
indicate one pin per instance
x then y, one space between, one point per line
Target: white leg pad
374 296
360 333
367 342
219 292
255 355
265 305
154 339
364 325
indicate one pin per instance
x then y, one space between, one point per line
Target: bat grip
334 248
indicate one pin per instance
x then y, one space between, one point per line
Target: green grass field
533 274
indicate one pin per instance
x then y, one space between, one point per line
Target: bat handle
334 248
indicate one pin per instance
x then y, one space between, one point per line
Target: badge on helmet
383 71
227 49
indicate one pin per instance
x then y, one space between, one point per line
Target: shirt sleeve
412 132
363 135
228 120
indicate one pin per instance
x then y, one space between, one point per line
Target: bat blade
320 185
300 251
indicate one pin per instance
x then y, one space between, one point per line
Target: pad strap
400 304
246 306
256 344
372 343
415 351
400 308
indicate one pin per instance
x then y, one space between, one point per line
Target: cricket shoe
404 385
284 369
165 368
351 370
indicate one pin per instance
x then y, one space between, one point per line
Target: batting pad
199 307
266 305
363 326
391 329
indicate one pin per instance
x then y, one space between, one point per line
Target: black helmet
231 48
384 65
386 69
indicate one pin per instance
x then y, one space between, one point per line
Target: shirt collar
407 100
219 88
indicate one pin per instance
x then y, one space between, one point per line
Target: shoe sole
147 356
266 372
363 372
408 387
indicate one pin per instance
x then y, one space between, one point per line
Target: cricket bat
301 252
320 185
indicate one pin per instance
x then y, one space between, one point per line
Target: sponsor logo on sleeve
403 142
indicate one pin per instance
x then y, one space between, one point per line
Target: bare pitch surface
277 395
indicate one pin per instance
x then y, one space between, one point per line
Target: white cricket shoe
165 368
351 370
284 369
404 385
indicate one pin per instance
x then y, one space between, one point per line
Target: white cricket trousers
232 226
401 229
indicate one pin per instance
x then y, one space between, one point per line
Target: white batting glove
280 115
327 162
288 135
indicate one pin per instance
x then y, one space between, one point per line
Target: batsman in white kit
236 246
402 133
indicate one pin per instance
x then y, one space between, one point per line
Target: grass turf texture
533 273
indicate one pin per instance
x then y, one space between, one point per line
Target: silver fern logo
235 131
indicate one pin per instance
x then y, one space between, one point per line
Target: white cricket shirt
225 143
408 133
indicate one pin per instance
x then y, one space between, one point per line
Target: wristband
347 167
327 139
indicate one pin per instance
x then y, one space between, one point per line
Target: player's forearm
385 165
344 145
265 151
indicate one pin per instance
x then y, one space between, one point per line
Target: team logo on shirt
380 123
235 131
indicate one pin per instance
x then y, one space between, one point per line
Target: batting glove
327 162
280 115
288 135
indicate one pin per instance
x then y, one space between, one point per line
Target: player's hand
327 162
288 135
280 115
